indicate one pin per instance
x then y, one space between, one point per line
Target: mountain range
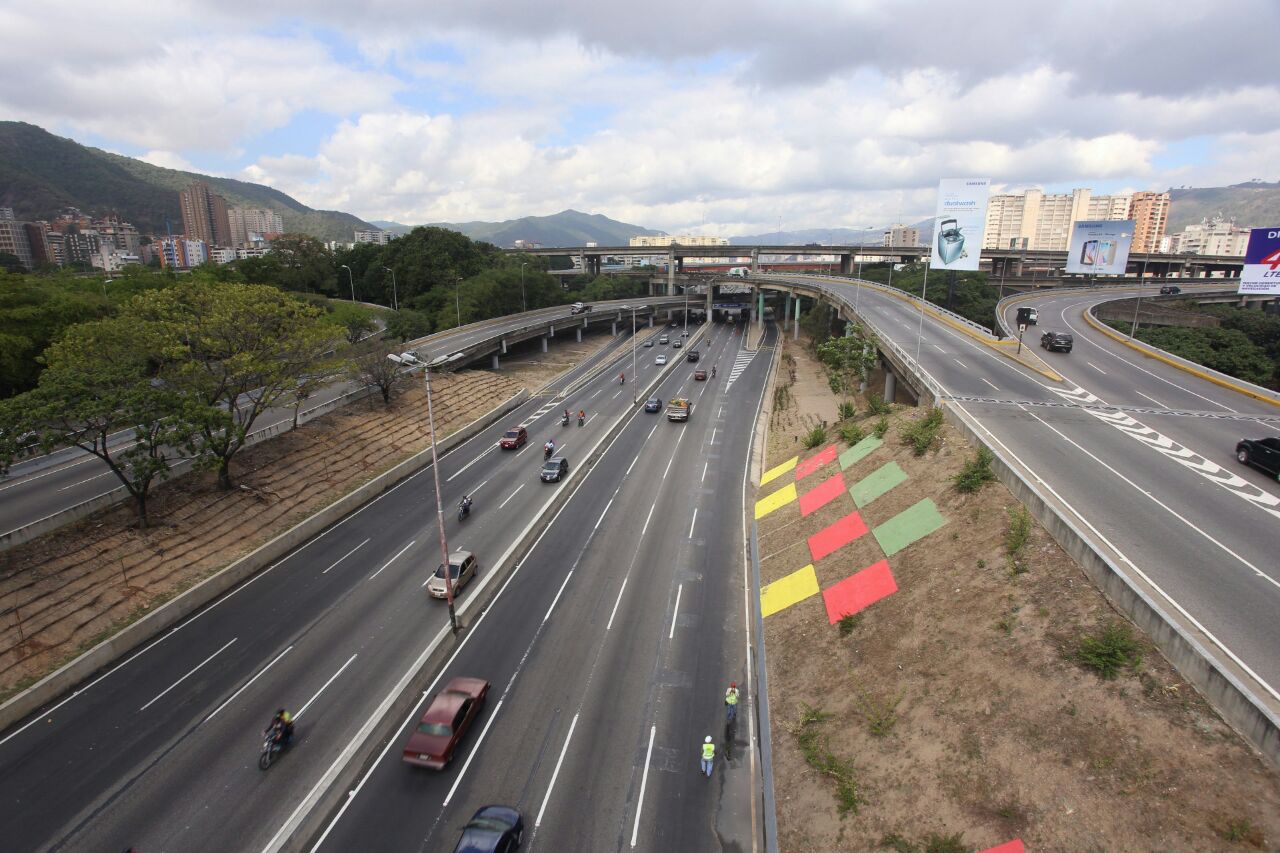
42 174
1253 204
566 228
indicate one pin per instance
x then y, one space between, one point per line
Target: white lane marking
392 560
82 482
938 348
189 674
713 435
324 687
1152 399
644 780
512 495
961 363
647 518
989 382
598 390
606 512
486 452
693 521
615 396
551 607
556 773
668 469
344 556
474 751
617 602
246 686
1095 367
705 465
720 414
675 612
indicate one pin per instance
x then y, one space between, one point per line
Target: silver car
462 569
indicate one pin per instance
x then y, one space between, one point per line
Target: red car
700 375
513 438
450 714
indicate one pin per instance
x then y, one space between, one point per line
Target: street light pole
351 278
395 301
104 286
524 303
635 398
1133 331
435 472
457 298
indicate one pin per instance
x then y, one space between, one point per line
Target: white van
739 272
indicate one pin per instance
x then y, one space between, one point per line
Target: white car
660 360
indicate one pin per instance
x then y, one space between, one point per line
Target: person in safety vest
708 756
731 702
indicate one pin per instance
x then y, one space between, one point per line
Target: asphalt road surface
160 751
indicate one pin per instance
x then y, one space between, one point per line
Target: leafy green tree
11 263
296 262
849 360
408 324
355 320
237 349
98 383
430 259
35 310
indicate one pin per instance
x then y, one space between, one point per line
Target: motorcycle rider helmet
708 740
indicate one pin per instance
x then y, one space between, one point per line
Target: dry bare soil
954 714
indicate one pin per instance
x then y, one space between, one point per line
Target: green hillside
41 174
566 228
1255 204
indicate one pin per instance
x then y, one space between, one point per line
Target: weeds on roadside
848 622
851 434
815 436
876 405
1007 623
1109 649
881 427
1019 530
1241 829
976 472
933 843
881 714
847 410
923 434
817 754
781 398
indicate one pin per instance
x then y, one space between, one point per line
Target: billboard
958 223
1261 273
1100 247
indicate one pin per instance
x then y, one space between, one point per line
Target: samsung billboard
1100 247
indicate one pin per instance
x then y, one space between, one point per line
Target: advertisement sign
1100 247
1261 273
958 223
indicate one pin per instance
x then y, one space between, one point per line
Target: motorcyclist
713 371
281 728
565 420
465 504
548 448
582 416
622 378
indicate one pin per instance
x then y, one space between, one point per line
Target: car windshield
551 465
434 729
510 434
486 822
454 568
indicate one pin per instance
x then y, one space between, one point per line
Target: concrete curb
330 794
117 646
1242 709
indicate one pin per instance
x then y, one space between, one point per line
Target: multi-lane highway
1140 453
608 650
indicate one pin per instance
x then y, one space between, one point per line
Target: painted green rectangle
859 451
876 483
907 526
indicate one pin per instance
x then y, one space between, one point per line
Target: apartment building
1216 236
204 215
901 235
1150 212
375 235
681 239
14 241
1034 220
250 225
181 253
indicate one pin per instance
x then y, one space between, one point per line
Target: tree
371 365
98 383
355 321
408 325
302 263
237 348
11 262
849 360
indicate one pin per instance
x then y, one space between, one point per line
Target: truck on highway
579 308
739 272
679 409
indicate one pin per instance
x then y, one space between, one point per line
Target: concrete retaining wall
116 647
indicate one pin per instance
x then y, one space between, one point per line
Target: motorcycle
546 452
464 510
272 745
564 420
581 420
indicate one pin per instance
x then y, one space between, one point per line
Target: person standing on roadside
708 756
731 702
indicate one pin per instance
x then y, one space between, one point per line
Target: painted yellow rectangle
780 498
778 470
792 589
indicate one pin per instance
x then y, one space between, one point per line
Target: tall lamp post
1133 331
105 282
444 544
395 301
457 297
635 384
351 278
524 303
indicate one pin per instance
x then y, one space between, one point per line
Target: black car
692 355
1170 290
492 829
653 404
555 469
1057 341
1261 453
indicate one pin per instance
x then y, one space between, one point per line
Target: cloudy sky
716 116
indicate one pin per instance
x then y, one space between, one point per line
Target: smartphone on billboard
1089 253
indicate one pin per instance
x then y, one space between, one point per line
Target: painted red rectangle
859 590
822 494
813 463
1014 846
836 536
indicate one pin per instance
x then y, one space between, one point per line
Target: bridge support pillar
795 333
613 328
578 332
755 261
671 273
846 263
760 306
504 346
552 331
650 321
890 386
544 343
494 364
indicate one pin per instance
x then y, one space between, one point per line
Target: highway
42 486
1147 468
610 629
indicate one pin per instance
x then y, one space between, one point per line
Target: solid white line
551 607
634 460
675 613
720 414
961 363
616 602
713 435
606 511
668 468
392 560
1095 367
693 521
344 556
474 751
644 780
646 521
313 699
705 465
938 348
246 685
597 392
188 675
1152 399
82 482
512 495
457 473
555 774
988 381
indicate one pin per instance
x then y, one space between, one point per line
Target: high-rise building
1034 220
180 253
375 235
121 236
1215 236
14 241
80 247
6 214
204 215
682 239
249 225
1150 211
901 235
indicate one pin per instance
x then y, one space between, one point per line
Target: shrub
817 754
922 435
946 844
815 436
1109 650
847 410
1019 530
848 622
876 405
881 427
851 434
976 472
